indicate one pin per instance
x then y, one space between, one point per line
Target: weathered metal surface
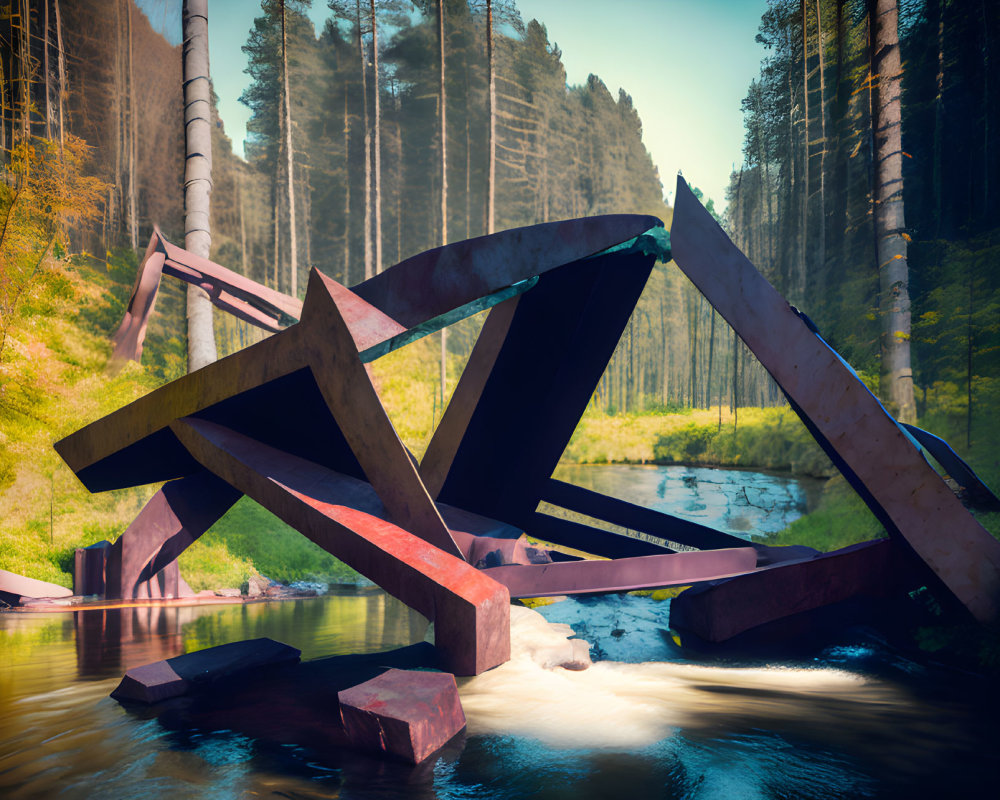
448 435
623 574
355 405
470 611
89 567
436 281
235 293
898 484
717 612
161 680
174 517
554 351
979 493
407 714
13 587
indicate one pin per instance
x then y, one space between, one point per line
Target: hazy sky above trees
687 66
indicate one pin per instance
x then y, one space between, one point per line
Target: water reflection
856 720
741 502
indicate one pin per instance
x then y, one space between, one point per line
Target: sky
686 63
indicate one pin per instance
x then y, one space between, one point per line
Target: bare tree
197 176
442 118
290 156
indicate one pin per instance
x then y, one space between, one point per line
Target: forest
400 126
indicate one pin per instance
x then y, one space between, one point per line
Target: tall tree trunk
307 212
969 349
708 372
806 171
347 191
244 261
938 122
986 111
26 68
491 144
61 62
896 373
293 250
376 146
197 176
3 114
736 380
821 242
442 113
133 211
366 127
45 70
120 101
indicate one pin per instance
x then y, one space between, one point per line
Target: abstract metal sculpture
228 290
296 423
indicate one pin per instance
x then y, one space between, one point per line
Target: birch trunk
896 380
197 176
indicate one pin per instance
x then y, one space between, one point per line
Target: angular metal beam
848 421
469 610
623 574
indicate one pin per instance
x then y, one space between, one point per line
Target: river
853 718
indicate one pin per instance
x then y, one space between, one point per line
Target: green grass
765 438
256 539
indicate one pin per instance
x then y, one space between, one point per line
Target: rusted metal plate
470 610
717 612
898 484
355 405
174 517
451 430
436 281
555 349
637 518
228 290
17 586
173 677
623 574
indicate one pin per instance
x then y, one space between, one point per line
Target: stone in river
405 713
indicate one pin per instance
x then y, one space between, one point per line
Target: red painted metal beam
469 610
623 574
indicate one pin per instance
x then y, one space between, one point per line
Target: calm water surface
853 719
